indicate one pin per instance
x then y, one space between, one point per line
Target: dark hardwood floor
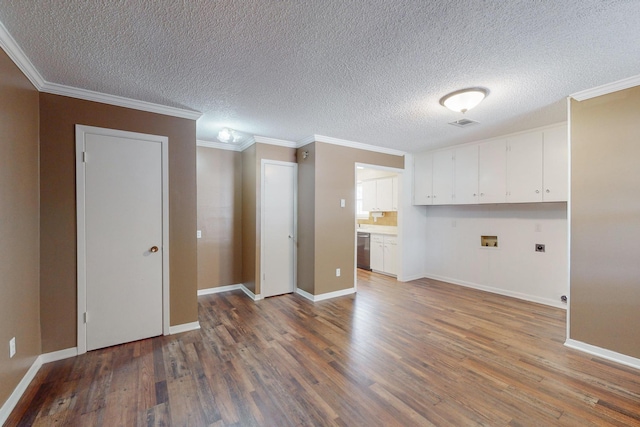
395 354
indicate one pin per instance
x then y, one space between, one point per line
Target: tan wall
59 115
219 217
334 241
605 221
306 218
19 225
249 202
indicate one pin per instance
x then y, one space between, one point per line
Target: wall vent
463 123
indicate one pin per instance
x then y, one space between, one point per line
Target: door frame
264 162
400 175
81 132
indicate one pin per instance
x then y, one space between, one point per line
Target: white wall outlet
199 234
12 347
337 272
343 203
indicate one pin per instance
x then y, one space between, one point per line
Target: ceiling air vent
463 123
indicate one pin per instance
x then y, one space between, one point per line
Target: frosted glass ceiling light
227 135
465 99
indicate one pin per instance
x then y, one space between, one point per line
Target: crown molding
13 50
218 145
248 143
120 101
607 88
273 141
351 144
17 55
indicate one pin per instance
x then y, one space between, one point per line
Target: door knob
153 249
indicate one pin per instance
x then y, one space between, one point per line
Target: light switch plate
199 234
337 272
343 203
12 347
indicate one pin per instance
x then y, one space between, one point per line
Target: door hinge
85 317
84 157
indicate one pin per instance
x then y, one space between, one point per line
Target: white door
556 165
443 177
422 178
123 237
466 175
492 172
524 168
278 227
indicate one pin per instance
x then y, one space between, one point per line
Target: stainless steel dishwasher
364 251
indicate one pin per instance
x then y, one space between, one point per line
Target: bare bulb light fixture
465 99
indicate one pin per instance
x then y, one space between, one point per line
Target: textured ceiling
369 71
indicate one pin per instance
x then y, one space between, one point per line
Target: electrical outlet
199 234
343 203
12 347
337 272
539 247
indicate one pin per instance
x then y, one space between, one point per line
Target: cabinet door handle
548 191
537 191
482 194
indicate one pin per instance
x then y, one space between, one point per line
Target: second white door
278 228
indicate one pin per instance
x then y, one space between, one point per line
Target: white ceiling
369 71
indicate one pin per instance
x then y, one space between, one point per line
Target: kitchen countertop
378 229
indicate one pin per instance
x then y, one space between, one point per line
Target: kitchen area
377 220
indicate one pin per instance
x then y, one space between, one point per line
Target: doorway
123 236
278 227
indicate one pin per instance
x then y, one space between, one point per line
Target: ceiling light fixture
228 135
465 99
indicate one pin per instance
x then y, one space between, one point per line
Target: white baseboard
219 289
328 295
13 399
613 356
185 327
410 278
250 294
499 291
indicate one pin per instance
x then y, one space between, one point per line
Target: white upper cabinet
466 175
524 168
556 165
528 167
384 194
443 177
492 171
422 178
369 199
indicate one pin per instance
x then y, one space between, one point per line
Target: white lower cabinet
384 254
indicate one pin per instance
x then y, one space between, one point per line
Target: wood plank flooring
396 354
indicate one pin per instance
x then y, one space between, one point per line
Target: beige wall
249 218
59 115
19 225
306 218
219 217
333 238
605 221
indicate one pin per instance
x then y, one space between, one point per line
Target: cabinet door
394 192
443 177
384 194
376 255
466 175
369 202
492 171
555 165
391 255
422 178
524 168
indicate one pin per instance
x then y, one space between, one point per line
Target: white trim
17 55
273 141
410 278
185 327
263 163
325 296
351 144
507 293
120 101
606 88
250 294
218 145
81 130
54 356
248 143
17 393
613 356
219 289
569 203
13 399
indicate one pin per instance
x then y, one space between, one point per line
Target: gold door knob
154 249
